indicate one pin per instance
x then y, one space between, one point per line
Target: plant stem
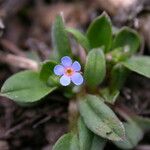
73 115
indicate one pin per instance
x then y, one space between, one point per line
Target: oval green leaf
74 143
133 135
98 143
47 70
85 136
139 64
80 37
95 68
88 140
63 142
118 77
128 38
60 39
68 141
99 32
25 87
100 119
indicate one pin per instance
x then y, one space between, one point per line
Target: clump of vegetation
91 81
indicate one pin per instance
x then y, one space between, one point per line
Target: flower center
69 71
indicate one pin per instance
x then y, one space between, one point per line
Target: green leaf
80 37
110 96
133 135
100 119
74 143
47 69
67 142
25 87
88 140
100 33
63 142
95 68
98 143
128 39
143 123
85 136
139 64
118 77
59 38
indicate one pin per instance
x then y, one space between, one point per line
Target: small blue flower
69 71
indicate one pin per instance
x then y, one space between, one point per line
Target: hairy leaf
80 37
88 140
100 33
25 87
128 39
98 143
59 38
133 135
118 77
139 64
47 70
95 68
100 119
68 141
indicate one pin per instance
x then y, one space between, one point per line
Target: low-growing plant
92 81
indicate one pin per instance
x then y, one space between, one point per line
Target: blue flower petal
65 80
66 61
76 66
59 70
77 78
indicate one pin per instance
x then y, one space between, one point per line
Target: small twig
82 54
8 45
14 129
73 114
17 127
18 61
47 118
